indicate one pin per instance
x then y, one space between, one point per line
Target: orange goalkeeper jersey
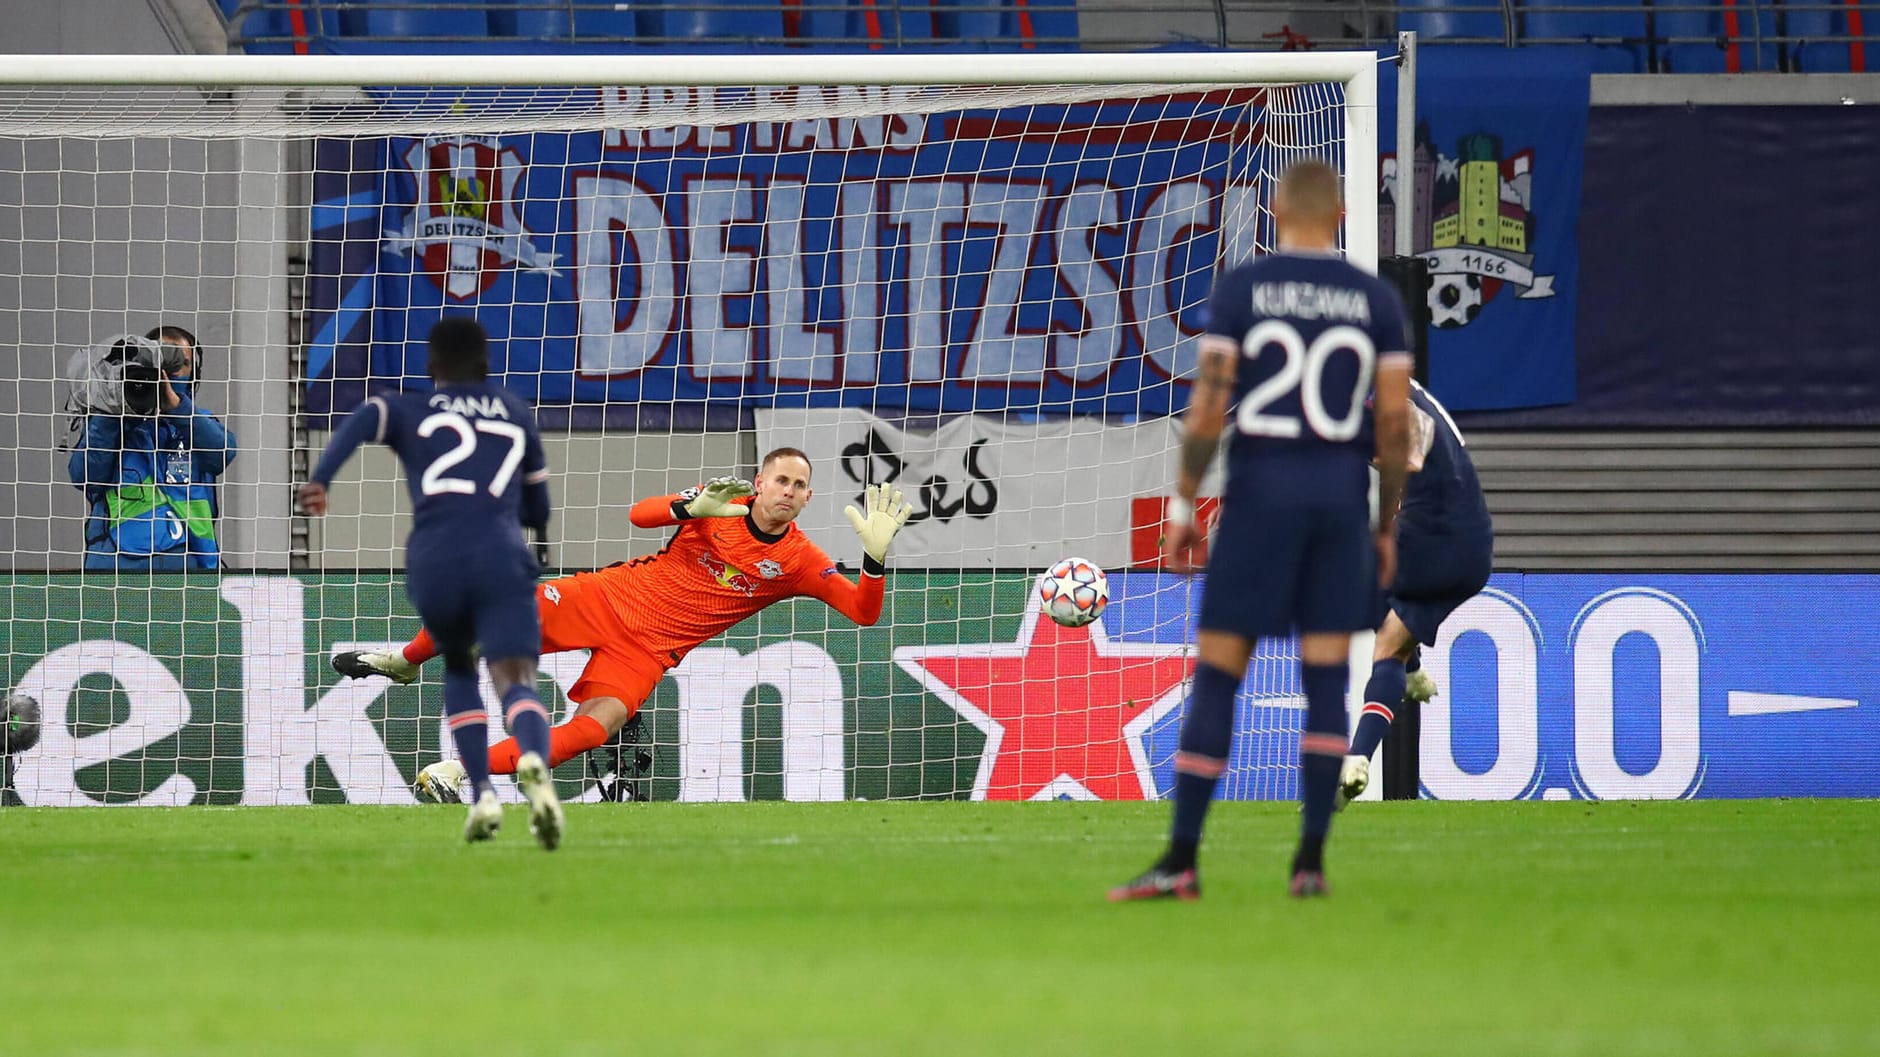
715 572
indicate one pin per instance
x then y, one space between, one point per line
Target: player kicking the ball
1445 552
735 552
1298 338
474 463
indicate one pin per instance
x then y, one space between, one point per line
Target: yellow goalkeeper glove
717 498
882 515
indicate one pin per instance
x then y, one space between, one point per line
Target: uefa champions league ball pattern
1073 592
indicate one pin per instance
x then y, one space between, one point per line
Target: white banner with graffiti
988 493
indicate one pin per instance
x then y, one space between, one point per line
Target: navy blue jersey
1443 496
472 457
1311 330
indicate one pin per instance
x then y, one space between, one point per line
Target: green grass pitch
1706 928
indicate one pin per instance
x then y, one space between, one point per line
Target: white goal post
975 276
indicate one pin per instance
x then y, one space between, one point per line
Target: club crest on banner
466 227
1472 223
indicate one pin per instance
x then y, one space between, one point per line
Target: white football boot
538 785
1353 777
392 666
486 817
444 782
1419 687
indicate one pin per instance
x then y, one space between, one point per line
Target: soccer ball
1073 592
1455 299
19 724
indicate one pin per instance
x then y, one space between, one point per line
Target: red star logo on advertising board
1065 710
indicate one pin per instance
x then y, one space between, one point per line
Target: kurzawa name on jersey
1311 301
475 406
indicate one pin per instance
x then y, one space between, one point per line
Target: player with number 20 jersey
1306 359
1295 547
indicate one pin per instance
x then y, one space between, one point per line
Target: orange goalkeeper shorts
577 615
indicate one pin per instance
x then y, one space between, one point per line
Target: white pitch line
1750 703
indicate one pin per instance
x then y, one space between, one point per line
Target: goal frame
1356 71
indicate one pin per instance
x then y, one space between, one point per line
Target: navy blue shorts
485 600
1274 569
1436 573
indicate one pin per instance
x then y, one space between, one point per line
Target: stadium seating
1453 19
1618 36
730 25
1569 20
863 24
1807 23
1732 29
283 27
444 26
1008 25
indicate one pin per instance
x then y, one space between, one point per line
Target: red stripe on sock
524 706
464 719
1198 765
1322 744
1372 707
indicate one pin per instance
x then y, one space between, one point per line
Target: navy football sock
1201 756
1321 751
528 720
469 726
1382 697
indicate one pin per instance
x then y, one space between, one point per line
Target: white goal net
976 278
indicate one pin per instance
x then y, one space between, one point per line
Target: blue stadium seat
866 24
1542 20
310 24
533 20
372 21
577 21
1472 19
1808 52
1730 26
993 25
723 25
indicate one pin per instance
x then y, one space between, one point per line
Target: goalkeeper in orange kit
735 552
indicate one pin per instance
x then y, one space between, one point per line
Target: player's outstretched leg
1321 751
469 728
1201 756
364 665
596 719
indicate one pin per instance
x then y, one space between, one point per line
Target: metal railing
1761 34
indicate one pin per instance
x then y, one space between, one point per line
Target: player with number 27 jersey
472 459
474 463
475 467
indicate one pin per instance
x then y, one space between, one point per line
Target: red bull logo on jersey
1472 223
467 226
727 574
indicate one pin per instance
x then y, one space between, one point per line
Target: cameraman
146 456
